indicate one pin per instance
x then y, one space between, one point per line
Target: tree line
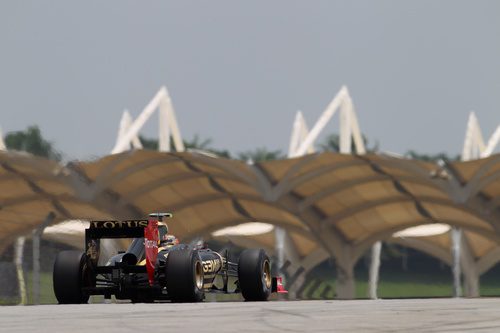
31 140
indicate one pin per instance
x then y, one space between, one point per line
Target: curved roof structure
479 178
205 193
331 199
361 199
31 188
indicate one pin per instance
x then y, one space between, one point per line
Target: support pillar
470 270
279 234
456 236
472 284
374 270
35 290
37 235
285 251
345 286
19 249
295 283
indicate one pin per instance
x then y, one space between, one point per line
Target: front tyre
71 274
184 276
254 275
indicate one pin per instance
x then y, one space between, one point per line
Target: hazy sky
238 71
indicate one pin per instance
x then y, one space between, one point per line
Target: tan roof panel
480 245
14 188
297 167
380 219
201 219
420 190
264 212
304 245
358 196
361 197
468 169
450 214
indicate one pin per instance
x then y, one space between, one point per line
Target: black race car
156 267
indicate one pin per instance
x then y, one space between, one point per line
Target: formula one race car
156 267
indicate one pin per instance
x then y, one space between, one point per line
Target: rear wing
116 229
126 229
110 229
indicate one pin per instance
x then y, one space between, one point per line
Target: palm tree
261 154
196 143
147 143
431 157
31 141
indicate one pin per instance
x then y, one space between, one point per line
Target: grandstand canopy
31 188
329 199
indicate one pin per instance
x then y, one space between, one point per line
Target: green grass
46 289
402 289
419 276
393 284
9 301
404 286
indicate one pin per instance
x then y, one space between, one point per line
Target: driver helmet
170 241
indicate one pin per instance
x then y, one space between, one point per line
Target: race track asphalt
410 315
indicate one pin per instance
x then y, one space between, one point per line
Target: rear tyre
184 276
140 299
254 275
71 273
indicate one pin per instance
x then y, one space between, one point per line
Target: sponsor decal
151 239
211 266
150 244
118 224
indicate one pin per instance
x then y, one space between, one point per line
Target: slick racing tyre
254 275
71 273
184 276
142 299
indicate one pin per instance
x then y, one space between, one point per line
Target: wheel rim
266 274
198 275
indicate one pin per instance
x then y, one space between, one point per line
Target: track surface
427 315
